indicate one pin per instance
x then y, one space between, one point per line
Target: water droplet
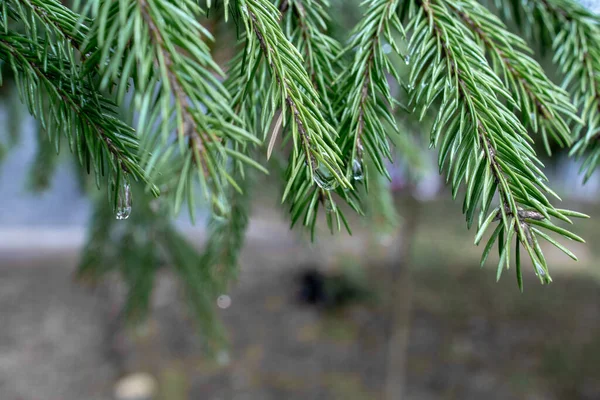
223 301
323 178
124 201
407 59
357 170
424 85
386 48
540 270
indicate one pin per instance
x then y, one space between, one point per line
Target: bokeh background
410 310
405 313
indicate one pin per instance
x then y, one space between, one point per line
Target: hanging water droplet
386 48
540 270
407 59
124 201
424 85
357 170
323 178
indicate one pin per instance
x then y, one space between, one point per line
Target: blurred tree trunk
400 300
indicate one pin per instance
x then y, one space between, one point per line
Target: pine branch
575 37
305 23
63 102
201 286
577 52
484 144
184 114
58 21
137 251
291 92
226 236
46 68
44 165
381 206
364 99
545 108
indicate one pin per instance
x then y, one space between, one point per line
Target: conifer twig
542 104
483 143
292 92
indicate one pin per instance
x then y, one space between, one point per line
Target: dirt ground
469 337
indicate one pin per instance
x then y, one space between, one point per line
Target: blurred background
346 317
387 313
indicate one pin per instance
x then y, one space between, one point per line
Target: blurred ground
470 338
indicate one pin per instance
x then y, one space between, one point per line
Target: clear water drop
540 270
323 178
357 170
386 48
407 59
124 201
